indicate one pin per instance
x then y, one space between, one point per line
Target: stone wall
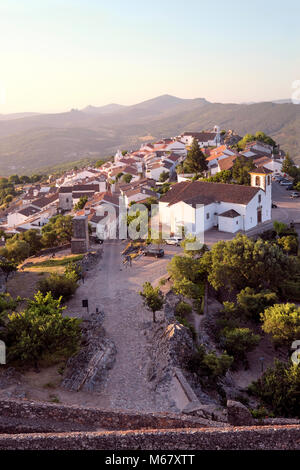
257 438
33 413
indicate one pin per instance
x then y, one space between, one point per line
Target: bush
7 303
183 309
73 271
279 388
260 413
253 303
282 321
289 244
209 364
41 332
239 341
59 285
268 235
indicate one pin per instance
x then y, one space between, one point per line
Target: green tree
195 161
243 262
17 250
183 309
186 245
34 240
60 286
127 178
289 167
99 163
164 176
188 276
279 227
153 298
14 179
209 364
81 203
279 389
252 303
119 175
282 321
289 244
239 341
40 332
240 170
62 226
7 267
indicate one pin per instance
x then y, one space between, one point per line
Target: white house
199 206
205 139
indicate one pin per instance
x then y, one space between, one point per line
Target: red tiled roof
202 192
230 214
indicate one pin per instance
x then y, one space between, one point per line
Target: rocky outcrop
238 414
88 369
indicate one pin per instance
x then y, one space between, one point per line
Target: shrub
260 413
279 388
289 244
183 309
282 321
209 364
73 271
41 332
59 285
239 341
252 303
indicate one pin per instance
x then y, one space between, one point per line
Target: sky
61 54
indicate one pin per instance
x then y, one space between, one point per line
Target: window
237 222
67 200
208 215
257 181
259 198
269 180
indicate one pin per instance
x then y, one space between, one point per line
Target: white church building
199 206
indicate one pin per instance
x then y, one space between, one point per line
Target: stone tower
80 239
262 178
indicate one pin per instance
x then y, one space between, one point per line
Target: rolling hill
34 142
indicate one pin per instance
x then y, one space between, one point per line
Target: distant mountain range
32 142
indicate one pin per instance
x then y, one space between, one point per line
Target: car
289 187
173 241
285 183
294 194
155 252
97 240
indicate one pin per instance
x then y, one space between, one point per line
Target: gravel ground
113 288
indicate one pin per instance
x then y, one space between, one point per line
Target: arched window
257 181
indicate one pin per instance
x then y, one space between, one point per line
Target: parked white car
173 241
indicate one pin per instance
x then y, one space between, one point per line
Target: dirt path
114 289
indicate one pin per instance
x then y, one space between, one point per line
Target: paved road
288 209
115 292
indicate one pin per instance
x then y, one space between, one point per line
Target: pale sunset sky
61 54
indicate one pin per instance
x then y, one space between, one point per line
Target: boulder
238 414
